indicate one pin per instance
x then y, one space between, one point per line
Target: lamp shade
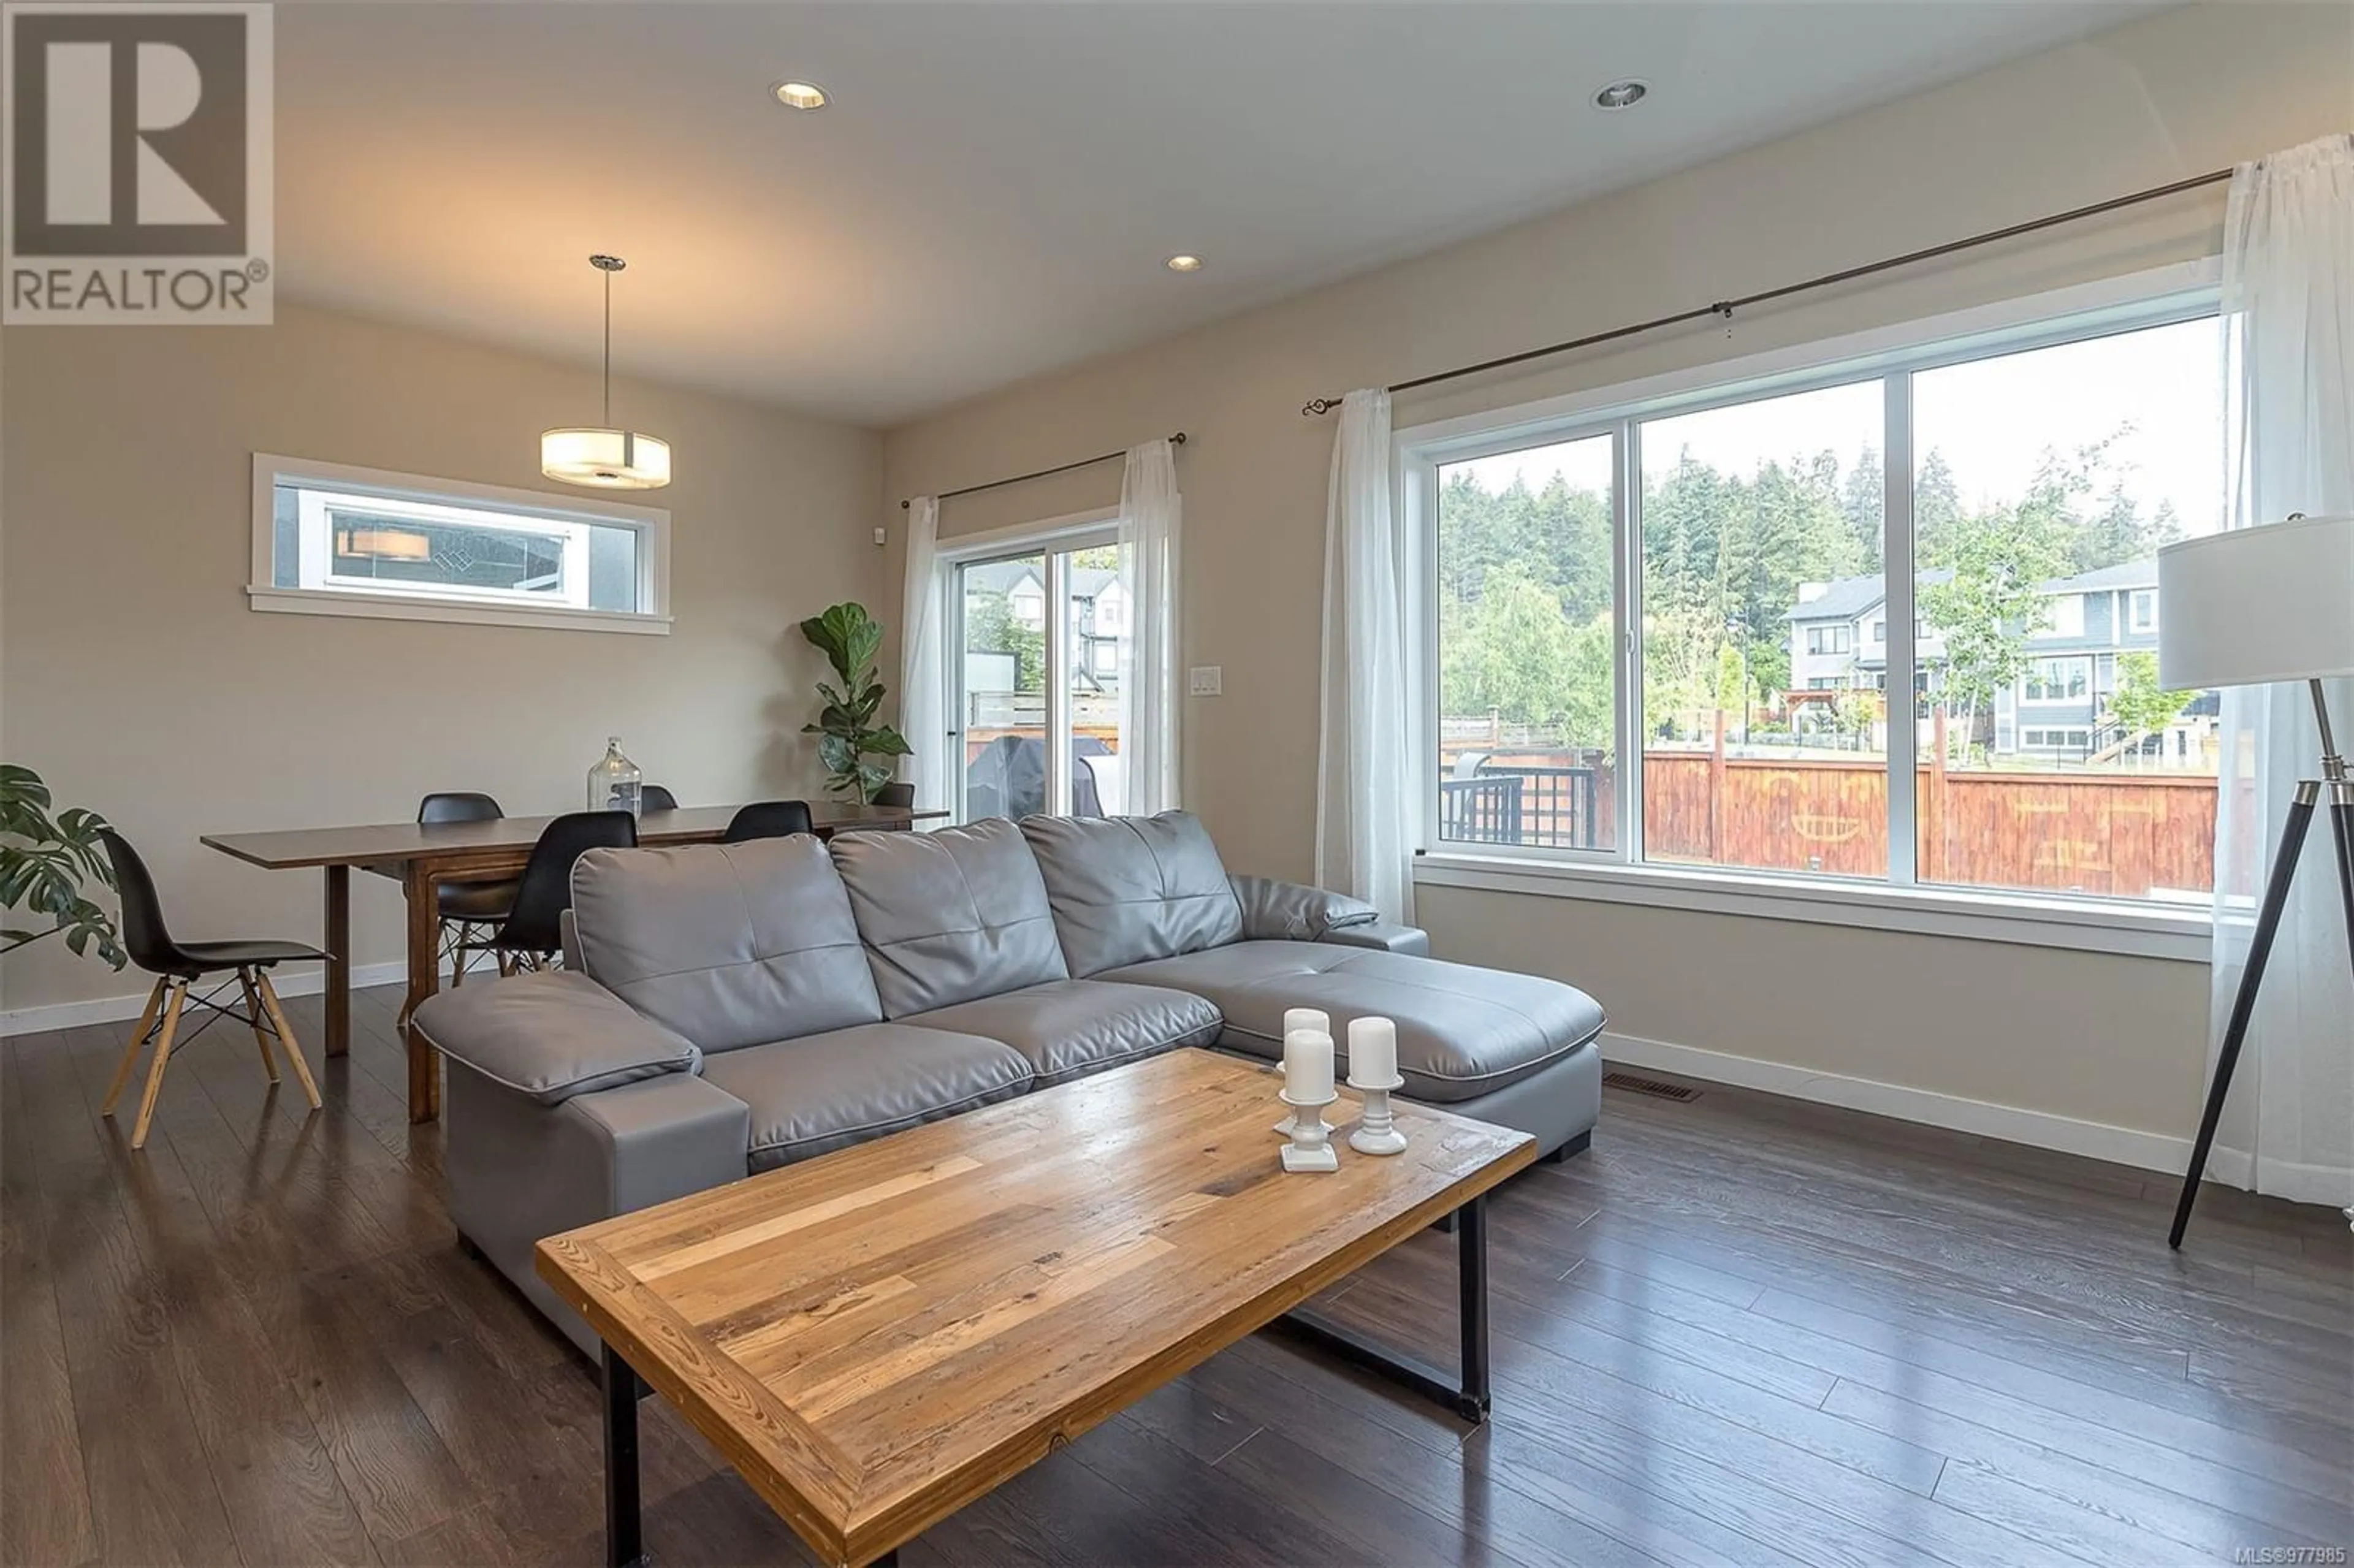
615 460
2257 605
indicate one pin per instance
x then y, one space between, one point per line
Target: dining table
421 856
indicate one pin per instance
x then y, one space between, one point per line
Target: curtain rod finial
904 506
1315 406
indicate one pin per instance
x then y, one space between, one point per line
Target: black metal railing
1553 808
1481 810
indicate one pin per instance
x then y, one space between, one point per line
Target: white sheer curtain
1365 773
1150 510
2288 303
923 671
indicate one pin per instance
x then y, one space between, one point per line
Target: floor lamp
2244 609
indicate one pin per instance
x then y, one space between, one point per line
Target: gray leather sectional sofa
737 1007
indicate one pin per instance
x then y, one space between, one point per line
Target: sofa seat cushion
1067 1028
1462 1031
819 1093
1239 964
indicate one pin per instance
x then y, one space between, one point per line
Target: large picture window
1660 630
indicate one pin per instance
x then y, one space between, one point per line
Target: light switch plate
1207 680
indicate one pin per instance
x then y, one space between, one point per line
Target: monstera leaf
45 861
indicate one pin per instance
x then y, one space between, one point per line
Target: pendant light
604 456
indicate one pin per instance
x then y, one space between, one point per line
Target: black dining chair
464 905
898 793
767 820
654 798
533 931
178 965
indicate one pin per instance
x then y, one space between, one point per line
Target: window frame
320 591
2137 624
1893 354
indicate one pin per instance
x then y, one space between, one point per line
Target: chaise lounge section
740 1007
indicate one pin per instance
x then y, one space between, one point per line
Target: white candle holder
1296 1120
1310 1148
1376 1131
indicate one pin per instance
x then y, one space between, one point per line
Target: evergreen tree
1863 499
1936 511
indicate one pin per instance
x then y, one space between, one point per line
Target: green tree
1514 652
1936 511
1992 603
2139 706
990 627
1862 499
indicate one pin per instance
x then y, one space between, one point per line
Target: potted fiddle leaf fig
46 861
848 734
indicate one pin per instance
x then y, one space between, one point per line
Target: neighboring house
1838 641
1100 615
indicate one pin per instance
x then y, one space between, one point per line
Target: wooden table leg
418 882
339 960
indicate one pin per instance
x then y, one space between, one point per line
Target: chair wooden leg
286 1040
131 1051
458 954
253 1017
163 1059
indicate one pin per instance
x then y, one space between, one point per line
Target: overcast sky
1992 418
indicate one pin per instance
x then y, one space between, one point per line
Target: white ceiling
994 188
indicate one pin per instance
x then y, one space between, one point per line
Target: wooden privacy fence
2112 833
2090 833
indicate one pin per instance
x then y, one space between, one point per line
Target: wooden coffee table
875 1338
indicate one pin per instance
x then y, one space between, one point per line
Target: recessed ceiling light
799 94
1184 264
1623 94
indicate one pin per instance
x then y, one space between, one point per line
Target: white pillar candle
1314 1020
1372 1050
1308 1066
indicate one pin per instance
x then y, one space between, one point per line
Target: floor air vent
1651 1086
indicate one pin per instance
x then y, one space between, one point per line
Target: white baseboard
127 1006
2037 1130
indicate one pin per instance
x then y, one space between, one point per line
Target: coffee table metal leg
1471 1306
1467 1392
624 1541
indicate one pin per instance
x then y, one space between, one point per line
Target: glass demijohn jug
614 784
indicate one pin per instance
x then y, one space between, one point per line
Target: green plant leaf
45 862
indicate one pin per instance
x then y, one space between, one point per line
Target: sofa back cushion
948 916
730 945
1127 890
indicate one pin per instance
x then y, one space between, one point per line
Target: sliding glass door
1042 647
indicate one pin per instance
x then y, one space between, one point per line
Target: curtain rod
1176 441
1724 308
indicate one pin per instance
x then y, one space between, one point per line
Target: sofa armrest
664 1139
1276 911
551 1037
1386 935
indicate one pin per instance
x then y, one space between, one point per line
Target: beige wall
133 676
2102 1039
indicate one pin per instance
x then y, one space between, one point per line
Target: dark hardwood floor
1742 1330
